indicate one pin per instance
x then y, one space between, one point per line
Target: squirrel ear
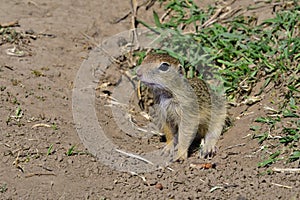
181 70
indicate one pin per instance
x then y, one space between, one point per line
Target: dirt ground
33 160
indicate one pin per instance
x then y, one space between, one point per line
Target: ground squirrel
184 106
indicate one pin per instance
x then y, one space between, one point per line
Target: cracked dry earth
37 128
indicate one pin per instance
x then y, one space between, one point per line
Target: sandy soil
40 82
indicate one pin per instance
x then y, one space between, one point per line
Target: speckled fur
187 108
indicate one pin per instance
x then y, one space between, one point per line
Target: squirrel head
161 71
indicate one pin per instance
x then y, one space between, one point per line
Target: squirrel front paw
207 150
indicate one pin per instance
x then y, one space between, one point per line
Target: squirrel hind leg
170 134
181 155
169 149
173 150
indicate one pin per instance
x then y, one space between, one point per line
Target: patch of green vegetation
261 137
295 156
2 88
244 53
37 73
141 55
50 150
71 151
9 35
255 128
16 117
272 159
54 126
3 188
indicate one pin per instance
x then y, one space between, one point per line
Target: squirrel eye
164 66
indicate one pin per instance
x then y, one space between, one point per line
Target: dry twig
275 169
233 146
134 156
39 174
284 186
142 177
148 4
10 24
41 125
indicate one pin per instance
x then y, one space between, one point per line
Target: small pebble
159 186
59 158
87 173
70 161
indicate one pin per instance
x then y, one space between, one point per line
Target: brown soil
40 82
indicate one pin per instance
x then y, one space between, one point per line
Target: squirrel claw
179 159
208 152
170 150
167 152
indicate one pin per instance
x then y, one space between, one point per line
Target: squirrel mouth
156 86
164 92
145 82
151 84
